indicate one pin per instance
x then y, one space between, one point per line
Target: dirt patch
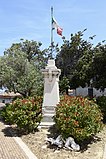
38 145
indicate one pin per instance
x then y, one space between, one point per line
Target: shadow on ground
83 145
13 131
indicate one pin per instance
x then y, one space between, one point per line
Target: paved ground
12 147
9 149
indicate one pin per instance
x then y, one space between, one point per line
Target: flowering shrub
78 117
101 101
25 113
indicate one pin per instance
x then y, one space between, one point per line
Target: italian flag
56 26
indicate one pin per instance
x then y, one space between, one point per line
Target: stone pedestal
51 92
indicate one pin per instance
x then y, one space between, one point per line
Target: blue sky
31 19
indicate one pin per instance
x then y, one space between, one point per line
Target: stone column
51 92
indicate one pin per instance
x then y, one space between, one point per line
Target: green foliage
20 68
7 114
99 67
64 84
68 57
80 61
101 101
78 117
25 113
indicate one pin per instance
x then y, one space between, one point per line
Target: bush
8 114
101 101
78 117
25 113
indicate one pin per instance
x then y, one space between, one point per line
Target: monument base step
46 124
47 118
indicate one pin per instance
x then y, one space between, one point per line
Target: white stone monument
51 93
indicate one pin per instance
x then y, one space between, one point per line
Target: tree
90 68
32 51
71 52
81 62
99 66
20 68
64 85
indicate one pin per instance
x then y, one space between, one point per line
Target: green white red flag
57 27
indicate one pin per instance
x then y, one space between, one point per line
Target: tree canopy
20 68
82 62
99 66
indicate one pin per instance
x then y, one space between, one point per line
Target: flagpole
51 56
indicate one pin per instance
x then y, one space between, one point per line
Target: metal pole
51 32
